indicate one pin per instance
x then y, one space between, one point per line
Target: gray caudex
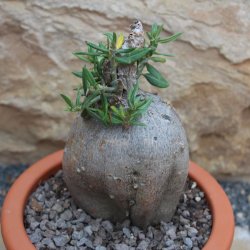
138 173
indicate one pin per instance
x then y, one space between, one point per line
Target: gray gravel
239 195
53 221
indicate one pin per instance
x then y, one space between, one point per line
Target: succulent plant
105 93
115 173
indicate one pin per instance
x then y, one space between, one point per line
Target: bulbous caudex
140 172
114 173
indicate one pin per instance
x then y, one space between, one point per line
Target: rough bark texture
138 172
209 77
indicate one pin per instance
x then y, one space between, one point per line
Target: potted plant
127 152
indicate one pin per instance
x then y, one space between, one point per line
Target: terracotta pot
14 234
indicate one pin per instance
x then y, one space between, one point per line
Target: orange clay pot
14 234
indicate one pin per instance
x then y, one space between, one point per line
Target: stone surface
210 79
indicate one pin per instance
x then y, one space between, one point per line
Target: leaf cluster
101 98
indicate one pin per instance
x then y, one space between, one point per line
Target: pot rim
15 236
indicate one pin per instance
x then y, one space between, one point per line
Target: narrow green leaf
109 35
88 77
97 47
149 35
87 53
67 100
163 54
159 30
91 99
102 45
77 73
85 84
85 59
115 110
78 97
154 29
104 104
115 120
122 112
132 95
170 38
144 104
157 59
114 40
160 83
134 123
140 53
138 50
98 114
124 50
154 72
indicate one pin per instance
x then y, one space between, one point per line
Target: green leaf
67 100
163 54
109 35
157 59
124 50
159 30
154 29
116 120
87 53
115 109
160 83
88 78
170 38
155 78
144 104
85 59
114 40
133 56
135 123
149 35
99 63
132 95
154 72
77 73
98 114
78 97
102 45
85 84
91 99
104 104
97 47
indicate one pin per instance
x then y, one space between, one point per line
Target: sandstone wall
210 75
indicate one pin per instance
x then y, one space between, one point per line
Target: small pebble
192 232
126 232
77 235
107 225
57 223
66 215
121 247
188 242
198 199
61 240
88 230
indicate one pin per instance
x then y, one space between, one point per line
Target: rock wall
210 75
